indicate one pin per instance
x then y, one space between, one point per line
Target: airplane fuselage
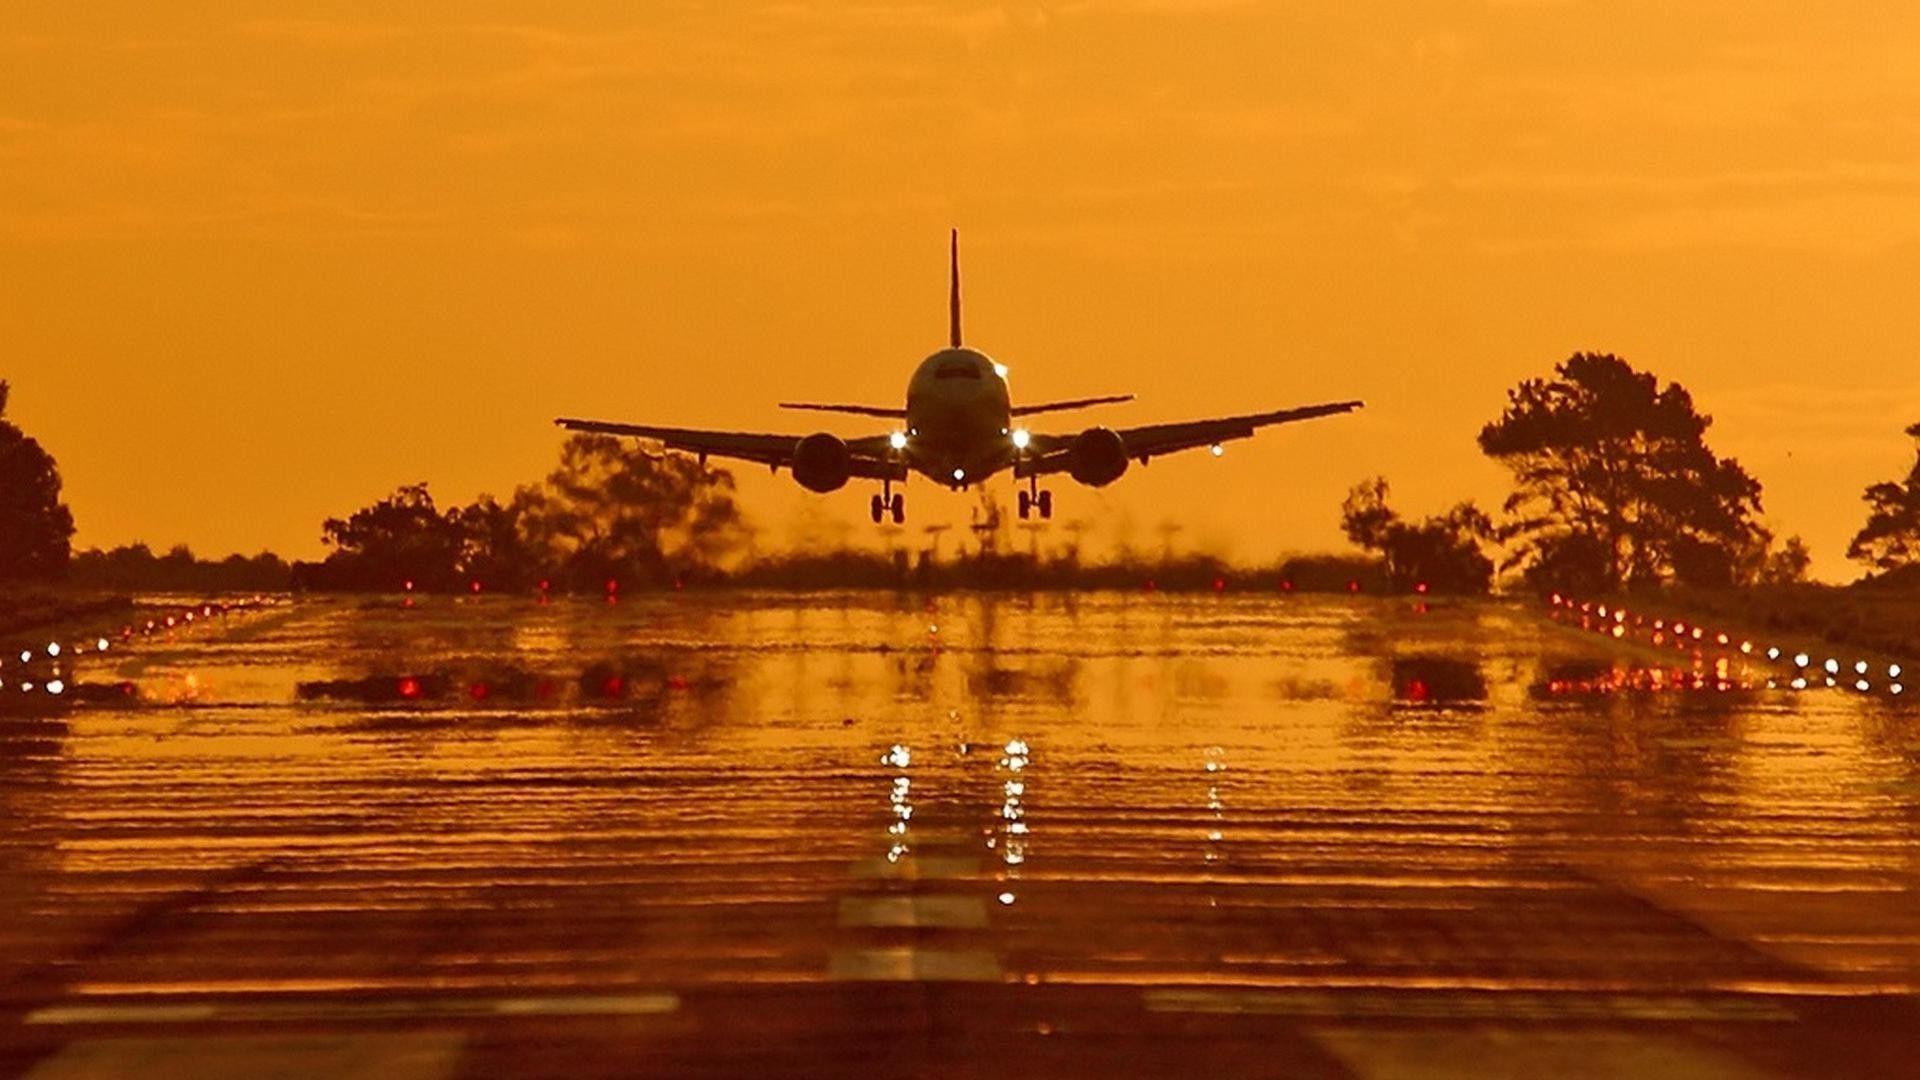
959 418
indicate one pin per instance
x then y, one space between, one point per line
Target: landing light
959 474
1000 369
897 440
1217 449
1021 437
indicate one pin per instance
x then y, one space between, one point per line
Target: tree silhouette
36 528
400 539
1614 484
611 510
1890 540
1442 553
618 510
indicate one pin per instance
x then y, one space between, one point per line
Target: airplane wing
1063 406
856 410
1049 453
871 457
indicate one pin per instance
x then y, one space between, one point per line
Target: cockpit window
957 369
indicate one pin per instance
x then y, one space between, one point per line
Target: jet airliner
958 428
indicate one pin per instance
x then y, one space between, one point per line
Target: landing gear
888 504
1035 499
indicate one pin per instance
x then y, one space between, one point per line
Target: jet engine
1097 457
821 462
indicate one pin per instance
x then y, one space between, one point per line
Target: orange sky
259 269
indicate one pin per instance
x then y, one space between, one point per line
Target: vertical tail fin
953 299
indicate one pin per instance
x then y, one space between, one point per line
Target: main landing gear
888 504
1034 499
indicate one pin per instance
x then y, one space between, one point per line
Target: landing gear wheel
1046 505
1026 505
899 509
875 510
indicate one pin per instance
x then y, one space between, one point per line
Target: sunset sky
261 268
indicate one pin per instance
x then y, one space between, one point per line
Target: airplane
958 428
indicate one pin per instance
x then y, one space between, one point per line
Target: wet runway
873 834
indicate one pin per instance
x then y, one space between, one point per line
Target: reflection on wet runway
1244 830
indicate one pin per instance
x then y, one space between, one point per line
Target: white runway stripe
913 965
928 912
213 1012
386 1055
1503 1005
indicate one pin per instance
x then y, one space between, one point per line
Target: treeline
136 567
1614 488
613 513
614 516
988 570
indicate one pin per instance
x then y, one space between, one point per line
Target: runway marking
121 1014
918 867
914 965
426 1055
1488 1005
933 912
651 1004
1483 1053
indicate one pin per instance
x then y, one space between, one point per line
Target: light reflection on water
1254 789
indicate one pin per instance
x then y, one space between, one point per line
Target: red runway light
1420 587
676 682
1353 586
1219 584
1286 585
474 586
613 686
478 691
409 687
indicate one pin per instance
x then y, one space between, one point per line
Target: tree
1890 540
622 511
1441 553
1614 484
1786 565
36 528
402 538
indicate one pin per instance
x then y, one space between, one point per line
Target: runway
717 834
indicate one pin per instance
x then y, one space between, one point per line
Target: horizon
363 251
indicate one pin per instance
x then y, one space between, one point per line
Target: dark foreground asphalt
877 835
